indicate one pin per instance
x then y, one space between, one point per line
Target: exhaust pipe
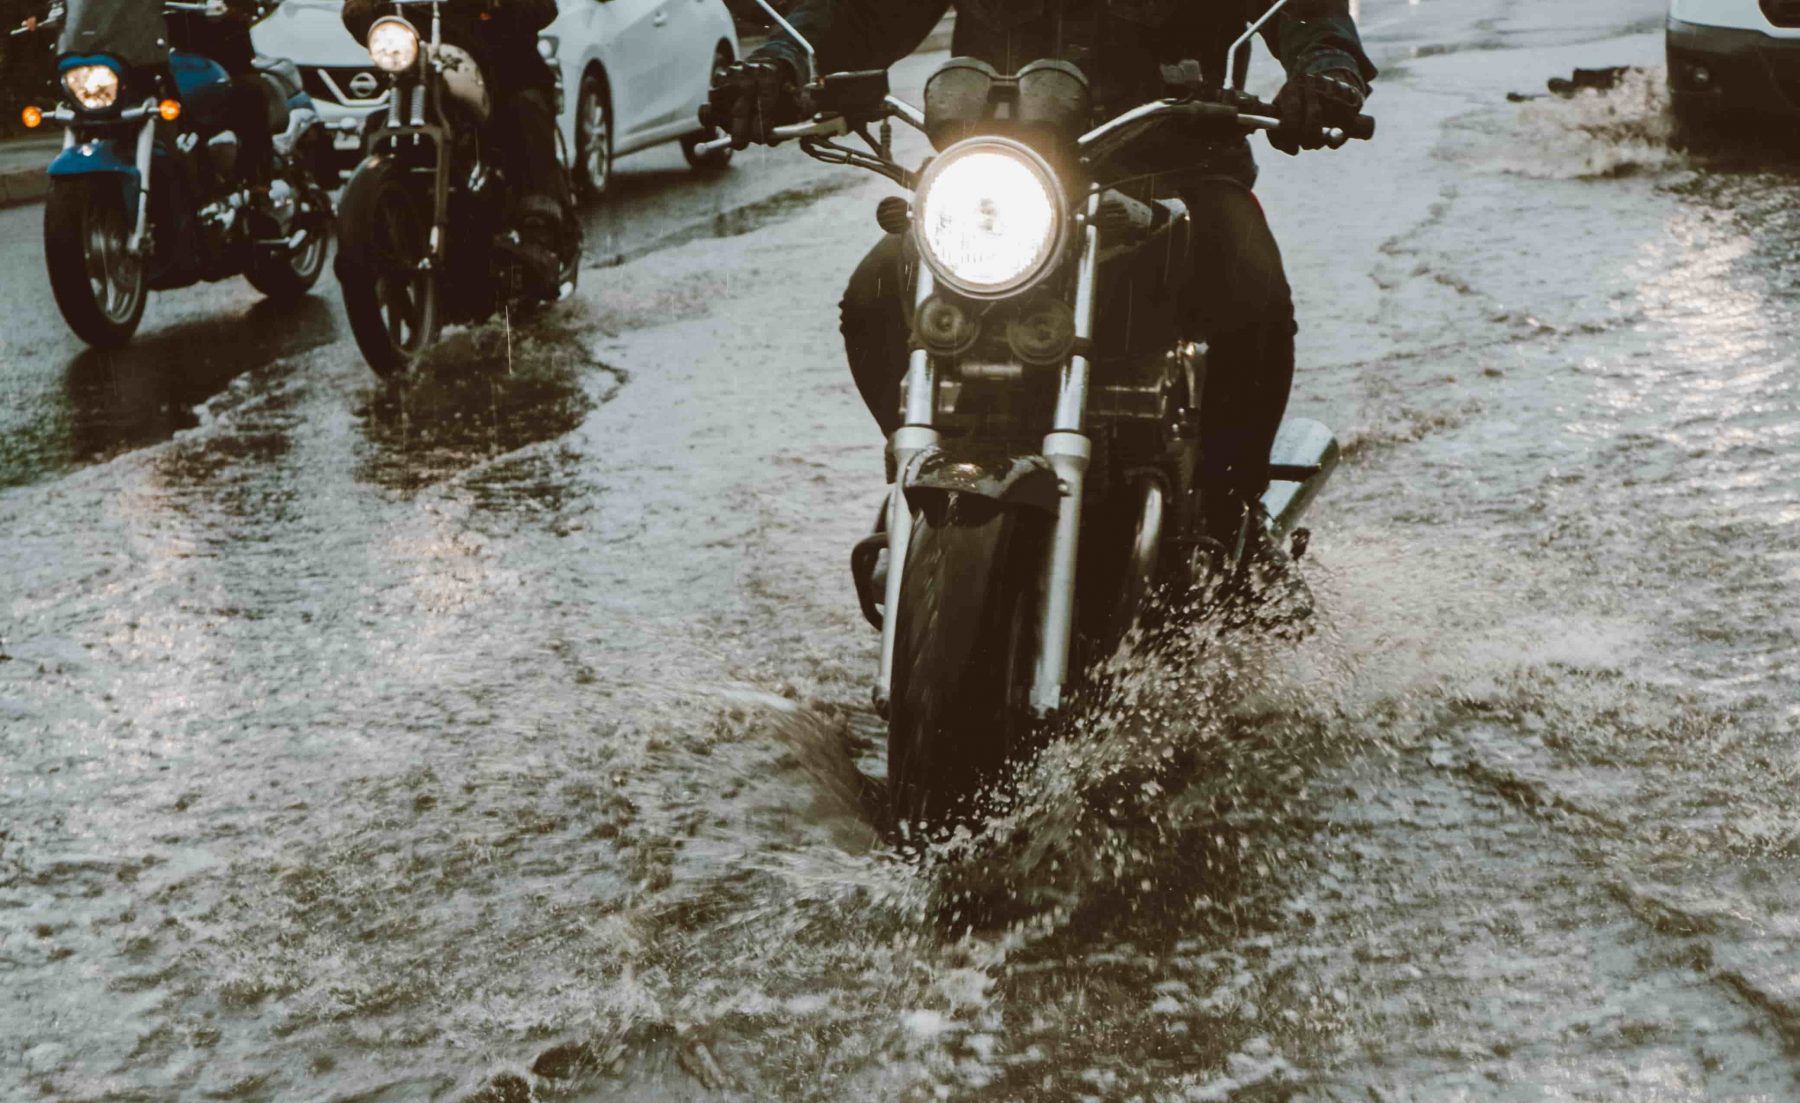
1303 458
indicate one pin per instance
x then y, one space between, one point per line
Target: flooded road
504 738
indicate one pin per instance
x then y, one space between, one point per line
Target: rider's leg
229 44
875 332
542 182
524 130
1240 302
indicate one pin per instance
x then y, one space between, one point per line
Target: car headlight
95 87
990 217
393 45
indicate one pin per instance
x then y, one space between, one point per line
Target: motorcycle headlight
95 87
990 217
393 45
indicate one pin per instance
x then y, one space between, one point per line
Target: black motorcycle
429 229
1026 451
147 194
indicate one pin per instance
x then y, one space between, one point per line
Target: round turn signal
170 110
32 117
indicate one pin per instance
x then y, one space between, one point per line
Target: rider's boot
540 225
1256 578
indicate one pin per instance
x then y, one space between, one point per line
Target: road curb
23 186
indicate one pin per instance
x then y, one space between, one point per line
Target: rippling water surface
509 734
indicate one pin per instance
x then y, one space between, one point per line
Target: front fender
356 209
1005 477
101 156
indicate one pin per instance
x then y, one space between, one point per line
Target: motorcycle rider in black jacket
223 35
502 35
1238 300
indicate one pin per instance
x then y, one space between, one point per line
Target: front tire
593 138
963 658
389 297
99 286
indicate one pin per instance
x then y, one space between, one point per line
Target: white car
1737 55
633 74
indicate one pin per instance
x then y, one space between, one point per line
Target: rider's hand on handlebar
751 98
1309 104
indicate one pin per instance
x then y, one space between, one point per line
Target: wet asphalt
507 733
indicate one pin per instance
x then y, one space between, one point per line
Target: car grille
1782 13
332 84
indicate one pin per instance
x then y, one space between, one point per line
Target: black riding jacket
1120 44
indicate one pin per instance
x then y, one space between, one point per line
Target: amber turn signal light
169 110
32 117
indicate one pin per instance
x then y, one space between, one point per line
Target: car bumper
1718 69
343 108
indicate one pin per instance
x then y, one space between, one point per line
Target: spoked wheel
963 658
286 275
717 159
593 138
390 295
99 286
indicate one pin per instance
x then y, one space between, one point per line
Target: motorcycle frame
415 111
1066 447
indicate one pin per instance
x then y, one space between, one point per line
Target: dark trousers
1236 299
524 128
228 43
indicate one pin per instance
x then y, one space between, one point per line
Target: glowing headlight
990 217
393 45
95 87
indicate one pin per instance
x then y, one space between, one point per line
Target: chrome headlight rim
1056 241
394 44
94 87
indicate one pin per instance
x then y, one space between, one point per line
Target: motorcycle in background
1044 487
146 194
429 234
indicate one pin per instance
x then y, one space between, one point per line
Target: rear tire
963 657
286 276
98 286
392 302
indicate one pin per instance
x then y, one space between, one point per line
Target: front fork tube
146 146
914 436
1068 449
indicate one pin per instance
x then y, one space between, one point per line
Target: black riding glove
751 98
1309 104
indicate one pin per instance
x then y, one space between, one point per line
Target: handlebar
1248 113
829 126
212 9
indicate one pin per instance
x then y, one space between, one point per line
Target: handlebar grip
1361 128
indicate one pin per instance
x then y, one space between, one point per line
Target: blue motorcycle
147 194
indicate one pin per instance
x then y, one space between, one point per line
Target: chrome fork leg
146 146
1069 451
914 436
